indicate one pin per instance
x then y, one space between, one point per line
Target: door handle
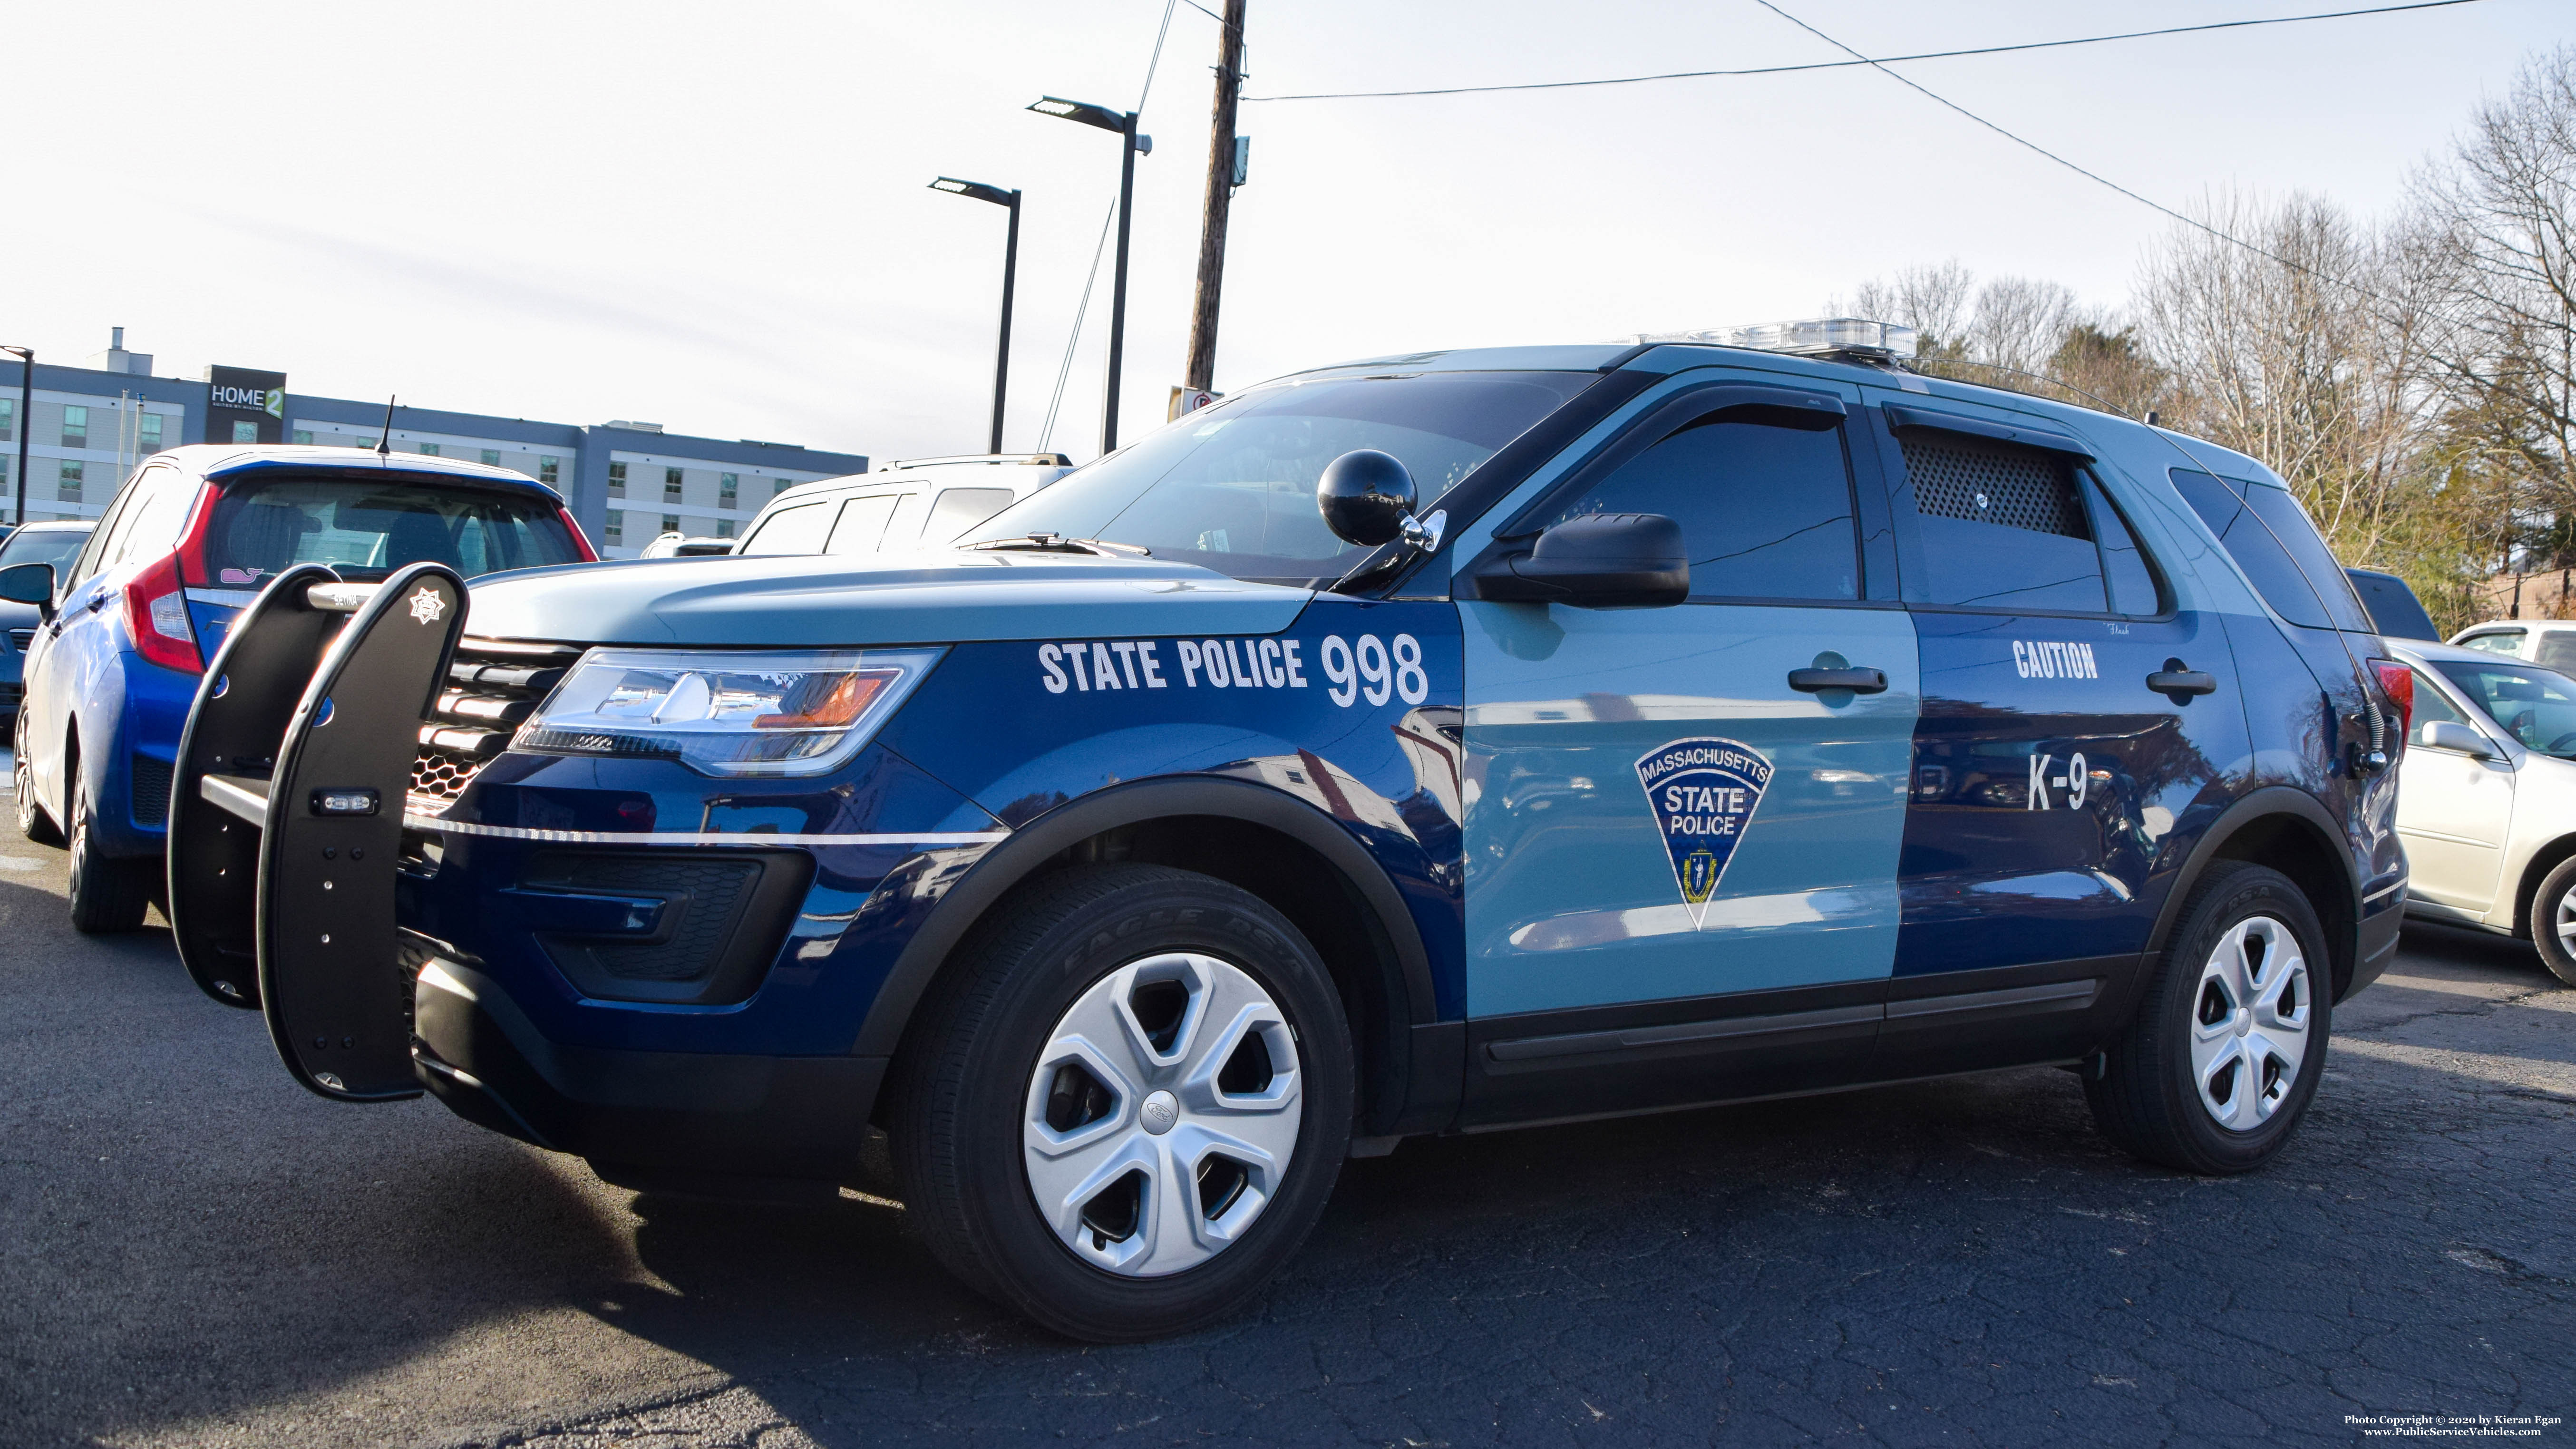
2178 683
1858 681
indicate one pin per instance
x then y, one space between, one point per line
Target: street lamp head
976 189
1083 111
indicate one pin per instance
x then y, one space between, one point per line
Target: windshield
367 528
1232 487
52 545
2536 706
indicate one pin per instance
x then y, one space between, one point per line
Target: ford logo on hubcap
1160 1111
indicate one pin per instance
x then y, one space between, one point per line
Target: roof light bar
1809 337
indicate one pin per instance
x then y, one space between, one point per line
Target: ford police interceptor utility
1428 744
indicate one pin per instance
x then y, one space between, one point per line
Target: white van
2549 643
919 503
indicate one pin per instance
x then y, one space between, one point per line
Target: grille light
1811 337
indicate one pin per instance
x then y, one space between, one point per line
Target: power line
2094 177
1046 433
1629 80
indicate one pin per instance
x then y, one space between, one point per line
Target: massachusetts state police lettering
1367 668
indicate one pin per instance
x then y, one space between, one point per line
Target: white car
923 503
2549 643
2487 799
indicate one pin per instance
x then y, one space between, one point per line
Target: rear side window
792 530
2393 608
154 520
2503 641
1765 511
2270 537
2557 651
960 509
366 528
2003 527
861 526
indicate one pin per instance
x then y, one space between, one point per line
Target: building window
245 432
8 419
614 528
670 485
67 481
75 427
616 480
547 468
491 457
724 528
429 450
783 485
670 523
303 436
150 423
728 491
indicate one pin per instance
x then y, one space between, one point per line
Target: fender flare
2262 804
1018 857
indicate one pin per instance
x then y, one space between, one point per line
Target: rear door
1680 863
2050 767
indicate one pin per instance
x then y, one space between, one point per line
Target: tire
1104 1001
2553 921
108 895
33 822
2246 980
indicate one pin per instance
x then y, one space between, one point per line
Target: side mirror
1367 498
1596 561
29 583
2439 734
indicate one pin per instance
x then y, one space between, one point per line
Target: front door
1680 862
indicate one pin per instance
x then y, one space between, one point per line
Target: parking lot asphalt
195 1251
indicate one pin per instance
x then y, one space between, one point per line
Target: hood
938 597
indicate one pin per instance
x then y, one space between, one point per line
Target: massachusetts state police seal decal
1703 793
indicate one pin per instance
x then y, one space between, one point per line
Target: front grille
8 696
151 792
22 640
492 688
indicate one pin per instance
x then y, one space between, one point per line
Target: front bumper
800 1117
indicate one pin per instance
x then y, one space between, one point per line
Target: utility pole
1220 198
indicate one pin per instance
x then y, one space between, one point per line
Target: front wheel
2222 1059
1125 1108
2553 921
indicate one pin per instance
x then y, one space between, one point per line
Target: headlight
729 713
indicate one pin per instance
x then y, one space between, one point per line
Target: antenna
385 444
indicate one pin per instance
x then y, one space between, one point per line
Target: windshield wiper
1058 543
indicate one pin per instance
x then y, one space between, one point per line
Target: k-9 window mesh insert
1993 483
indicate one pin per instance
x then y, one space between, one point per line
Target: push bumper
637 1114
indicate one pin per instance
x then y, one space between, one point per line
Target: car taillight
156 612
2399 681
580 540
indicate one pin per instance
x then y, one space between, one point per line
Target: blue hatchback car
110 668
1435 743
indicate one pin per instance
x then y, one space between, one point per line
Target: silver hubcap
1162 1114
2249 1024
2565 924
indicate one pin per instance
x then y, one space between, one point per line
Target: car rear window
2270 537
366 528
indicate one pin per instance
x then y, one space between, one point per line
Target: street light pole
26 420
1130 146
1010 269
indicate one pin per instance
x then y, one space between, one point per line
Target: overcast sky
716 216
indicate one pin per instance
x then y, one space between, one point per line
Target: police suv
1429 744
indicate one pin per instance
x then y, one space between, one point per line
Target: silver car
2487 807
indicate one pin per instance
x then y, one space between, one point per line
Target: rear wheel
33 822
107 894
1126 1108
2222 1059
2553 921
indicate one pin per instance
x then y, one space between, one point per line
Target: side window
2431 704
2557 651
792 530
118 524
862 524
1765 510
2270 538
2507 642
2124 563
2003 527
960 509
